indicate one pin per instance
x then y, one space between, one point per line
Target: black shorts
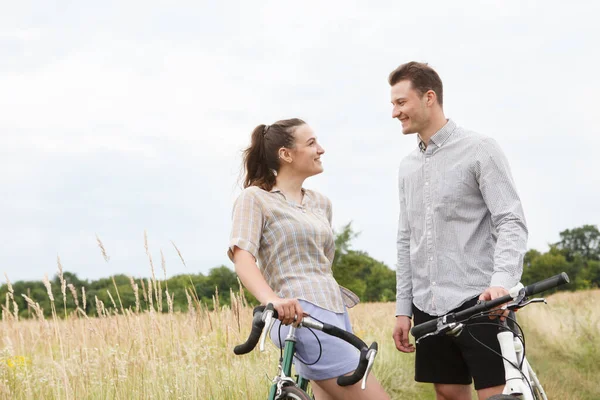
459 360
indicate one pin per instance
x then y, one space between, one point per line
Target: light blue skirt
338 357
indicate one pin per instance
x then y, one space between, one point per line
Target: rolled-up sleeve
500 195
404 295
247 224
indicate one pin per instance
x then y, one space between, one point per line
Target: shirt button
426 183
430 258
428 208
429 233
433 283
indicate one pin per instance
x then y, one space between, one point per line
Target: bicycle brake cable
520 334
295 356
495 352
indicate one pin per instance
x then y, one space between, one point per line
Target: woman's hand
289 310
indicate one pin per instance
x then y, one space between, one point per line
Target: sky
119 118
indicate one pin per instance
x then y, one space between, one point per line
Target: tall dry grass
162 356
563 344
189 355
144 354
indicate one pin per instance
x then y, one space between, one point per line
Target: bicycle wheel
293 393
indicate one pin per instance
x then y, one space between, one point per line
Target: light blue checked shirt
461 227
293 244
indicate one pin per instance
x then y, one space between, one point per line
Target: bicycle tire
293 393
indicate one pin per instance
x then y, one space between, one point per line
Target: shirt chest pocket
451 187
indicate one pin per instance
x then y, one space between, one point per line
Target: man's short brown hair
422 77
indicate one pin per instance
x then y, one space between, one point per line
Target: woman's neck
290 186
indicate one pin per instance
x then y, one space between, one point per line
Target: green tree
370 279
583 241
541 266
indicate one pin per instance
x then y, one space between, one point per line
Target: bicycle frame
285 367
519 382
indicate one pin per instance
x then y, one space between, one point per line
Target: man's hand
491 293
400 334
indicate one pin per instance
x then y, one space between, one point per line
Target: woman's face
306 155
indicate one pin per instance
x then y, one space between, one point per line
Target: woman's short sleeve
248 220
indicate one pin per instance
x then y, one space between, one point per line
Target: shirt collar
305 196
440 137
276 190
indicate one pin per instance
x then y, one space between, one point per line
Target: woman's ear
285 155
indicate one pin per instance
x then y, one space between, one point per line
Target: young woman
282 245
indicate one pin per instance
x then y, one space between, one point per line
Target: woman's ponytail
261 159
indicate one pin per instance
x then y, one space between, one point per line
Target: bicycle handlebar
546 284
258 325
534 288
355 341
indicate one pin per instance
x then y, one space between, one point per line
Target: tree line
577 253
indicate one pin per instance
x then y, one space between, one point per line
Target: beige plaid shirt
292 243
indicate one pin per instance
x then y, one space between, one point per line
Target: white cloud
121 117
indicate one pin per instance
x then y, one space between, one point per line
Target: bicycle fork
517 380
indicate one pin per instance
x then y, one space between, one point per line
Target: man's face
409 108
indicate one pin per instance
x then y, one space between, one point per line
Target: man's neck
435 125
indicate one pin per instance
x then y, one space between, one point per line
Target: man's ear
431 97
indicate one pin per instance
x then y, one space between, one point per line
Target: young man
461 236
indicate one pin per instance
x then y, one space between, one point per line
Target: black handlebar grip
546 284
356 342
424 328
344 335
257 326
359 372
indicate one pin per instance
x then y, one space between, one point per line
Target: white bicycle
521 380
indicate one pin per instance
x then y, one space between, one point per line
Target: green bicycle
286 387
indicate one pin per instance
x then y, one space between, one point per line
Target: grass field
147 355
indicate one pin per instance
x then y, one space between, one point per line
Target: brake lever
450 329
536 300
514 305
371 357
267 317
424 336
